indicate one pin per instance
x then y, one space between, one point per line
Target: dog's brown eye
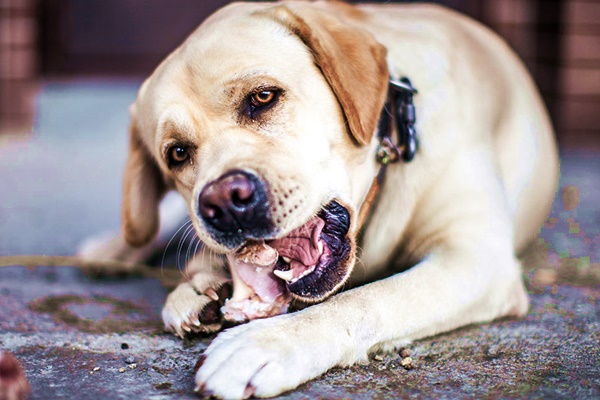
259 101
262 98
178 155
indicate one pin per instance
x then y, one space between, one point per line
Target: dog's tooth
307 272
286 259
320 247
285 275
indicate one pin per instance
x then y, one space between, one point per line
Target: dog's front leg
194 305
448 289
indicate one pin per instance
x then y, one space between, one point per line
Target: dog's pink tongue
302 244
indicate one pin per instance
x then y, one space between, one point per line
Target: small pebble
96 369
164 385
122 369
570 197
378 358
404 353
132 366
129 360
124 346
545 276
407 363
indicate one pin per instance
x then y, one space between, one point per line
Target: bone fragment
259 254
256 294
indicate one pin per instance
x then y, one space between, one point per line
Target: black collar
399 111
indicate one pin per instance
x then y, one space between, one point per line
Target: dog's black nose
227 200
235 207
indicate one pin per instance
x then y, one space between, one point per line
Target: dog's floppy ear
143 188
351 60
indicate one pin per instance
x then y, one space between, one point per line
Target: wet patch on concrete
96 314
67 372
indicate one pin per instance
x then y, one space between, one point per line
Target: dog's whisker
179 247
184 225
190 256
195 240
189 229
211 257
357 263
198 244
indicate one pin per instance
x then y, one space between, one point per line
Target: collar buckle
399 109
387 152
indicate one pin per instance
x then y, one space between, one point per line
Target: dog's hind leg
110 246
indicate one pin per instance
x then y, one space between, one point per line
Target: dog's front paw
186 310
263 358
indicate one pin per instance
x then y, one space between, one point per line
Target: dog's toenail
210 292
249 391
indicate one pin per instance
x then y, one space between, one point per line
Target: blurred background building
48 40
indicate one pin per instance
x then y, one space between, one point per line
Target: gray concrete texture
89 338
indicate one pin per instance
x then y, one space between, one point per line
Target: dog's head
263 120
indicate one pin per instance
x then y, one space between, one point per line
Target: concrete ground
86 338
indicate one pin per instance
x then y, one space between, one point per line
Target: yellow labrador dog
276 121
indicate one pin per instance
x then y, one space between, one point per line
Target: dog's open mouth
309 263
309 256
